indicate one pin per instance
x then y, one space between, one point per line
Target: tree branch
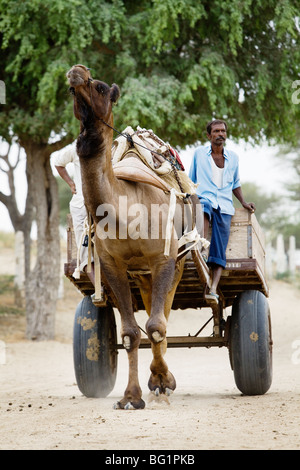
66 140
9 200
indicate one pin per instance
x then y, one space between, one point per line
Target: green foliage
293 187
289 223
65 196
267 206
179 63
273 212
41 40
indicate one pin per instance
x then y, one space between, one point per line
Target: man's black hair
215 121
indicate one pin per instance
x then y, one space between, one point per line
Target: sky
258 164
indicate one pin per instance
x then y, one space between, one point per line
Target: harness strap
192 236
76 273
88 230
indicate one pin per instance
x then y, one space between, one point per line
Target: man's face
218 134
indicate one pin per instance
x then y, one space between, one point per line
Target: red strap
176 155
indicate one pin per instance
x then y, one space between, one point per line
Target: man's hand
65 176
73 187
250 206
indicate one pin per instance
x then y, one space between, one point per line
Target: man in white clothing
77 207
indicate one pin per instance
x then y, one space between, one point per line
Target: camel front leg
161 379
165 278
162 280
130 334
165 281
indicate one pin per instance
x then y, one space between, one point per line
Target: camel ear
114 93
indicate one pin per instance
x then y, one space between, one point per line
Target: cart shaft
185 342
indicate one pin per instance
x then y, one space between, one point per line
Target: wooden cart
246 332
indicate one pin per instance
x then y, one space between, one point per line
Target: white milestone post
292 255
281 260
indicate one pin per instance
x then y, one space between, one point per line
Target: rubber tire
250 346
95 359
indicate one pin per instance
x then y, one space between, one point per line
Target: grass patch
6 284
7 240
289 279
7 296
10 310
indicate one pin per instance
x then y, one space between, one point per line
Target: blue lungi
220 224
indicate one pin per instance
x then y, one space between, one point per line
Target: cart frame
239 275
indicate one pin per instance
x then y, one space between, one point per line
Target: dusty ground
42 408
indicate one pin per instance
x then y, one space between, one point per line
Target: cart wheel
250 346
95 359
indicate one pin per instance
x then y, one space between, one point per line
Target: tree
290 221
195 60
179 63
293 159
20 222
275 213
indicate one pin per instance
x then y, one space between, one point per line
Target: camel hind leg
130 333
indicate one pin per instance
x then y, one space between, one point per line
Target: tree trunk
42 282
19 281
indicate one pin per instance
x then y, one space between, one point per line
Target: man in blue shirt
216 171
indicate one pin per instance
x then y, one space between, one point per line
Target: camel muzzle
74 78
78 75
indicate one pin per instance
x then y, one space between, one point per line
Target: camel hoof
129 406
140 405
126 342
168 391
157 337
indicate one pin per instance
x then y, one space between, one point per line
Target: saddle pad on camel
132 169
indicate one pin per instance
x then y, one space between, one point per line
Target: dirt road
42 408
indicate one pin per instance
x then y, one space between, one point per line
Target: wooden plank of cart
246 332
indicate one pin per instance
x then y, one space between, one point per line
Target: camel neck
94 150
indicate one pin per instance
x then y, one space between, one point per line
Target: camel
93 102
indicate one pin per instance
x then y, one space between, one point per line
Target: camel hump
152 151
133 169
154 163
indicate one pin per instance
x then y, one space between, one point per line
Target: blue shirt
201 174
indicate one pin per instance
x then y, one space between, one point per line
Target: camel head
92 98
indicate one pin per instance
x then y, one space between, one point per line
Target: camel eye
100 88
